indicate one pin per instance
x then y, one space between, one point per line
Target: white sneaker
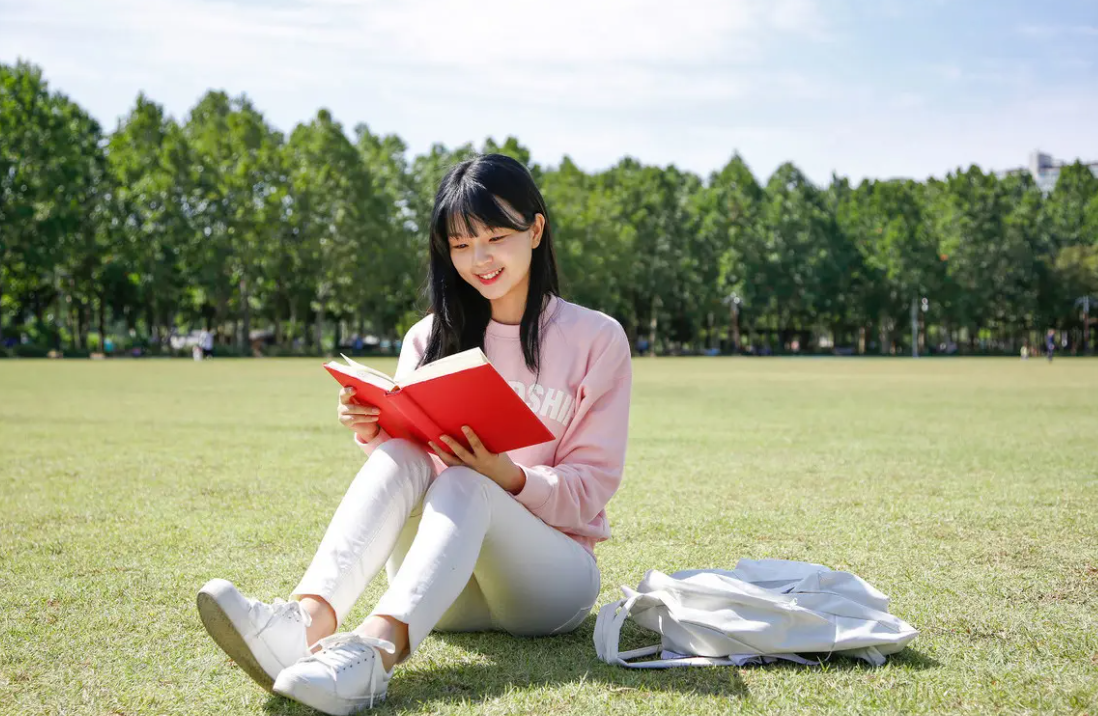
263 639
344 677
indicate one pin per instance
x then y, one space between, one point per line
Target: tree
798 256
241 173
1067 207
886 221
51 163
221 221
394 277
734 202
149 211
1070 218
647 207
593 263
331 192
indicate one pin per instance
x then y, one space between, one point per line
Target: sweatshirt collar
507 330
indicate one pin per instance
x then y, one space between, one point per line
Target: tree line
222 222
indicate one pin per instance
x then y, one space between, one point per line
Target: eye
455 247
497 238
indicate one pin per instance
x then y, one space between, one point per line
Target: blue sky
877 88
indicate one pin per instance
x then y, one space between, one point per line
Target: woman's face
497 261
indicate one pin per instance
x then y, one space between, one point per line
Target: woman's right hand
362 419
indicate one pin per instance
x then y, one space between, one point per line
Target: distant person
1050 344
207 342
525 523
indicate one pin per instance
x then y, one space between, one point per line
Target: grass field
966 490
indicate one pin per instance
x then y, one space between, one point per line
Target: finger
360 410
364 421
346 395
443 455
463 454
474 441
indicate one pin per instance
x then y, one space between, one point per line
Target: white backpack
759 612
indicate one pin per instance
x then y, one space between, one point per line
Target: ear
539 228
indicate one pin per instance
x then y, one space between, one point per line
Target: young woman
475 542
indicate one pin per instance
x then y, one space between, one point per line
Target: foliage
221 222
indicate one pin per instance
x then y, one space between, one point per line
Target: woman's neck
508 309
508 312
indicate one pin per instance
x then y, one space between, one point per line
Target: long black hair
469 194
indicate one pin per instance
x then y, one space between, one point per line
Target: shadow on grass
514 663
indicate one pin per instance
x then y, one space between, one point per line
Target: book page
362 372
444 366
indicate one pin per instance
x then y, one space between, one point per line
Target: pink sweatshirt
582 396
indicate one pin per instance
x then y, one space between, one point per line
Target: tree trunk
73 321
82 324
246 316
735 328
652 326
221 308
321 296
291 333
277 312
102 321
150 321
1 311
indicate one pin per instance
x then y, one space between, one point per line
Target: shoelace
269 614
340 650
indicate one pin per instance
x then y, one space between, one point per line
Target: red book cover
440 397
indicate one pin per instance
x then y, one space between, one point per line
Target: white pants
463 554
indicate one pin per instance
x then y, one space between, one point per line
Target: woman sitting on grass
475 542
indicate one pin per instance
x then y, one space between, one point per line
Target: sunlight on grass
966 490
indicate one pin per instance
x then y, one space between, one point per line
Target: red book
440 397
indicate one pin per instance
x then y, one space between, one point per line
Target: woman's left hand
495 466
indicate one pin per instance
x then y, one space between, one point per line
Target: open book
440 397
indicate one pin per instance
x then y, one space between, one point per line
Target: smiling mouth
488 278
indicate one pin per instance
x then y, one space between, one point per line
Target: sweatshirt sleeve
591 454
411 350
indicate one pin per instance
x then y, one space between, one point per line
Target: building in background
1045 170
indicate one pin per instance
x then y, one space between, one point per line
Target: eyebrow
490 234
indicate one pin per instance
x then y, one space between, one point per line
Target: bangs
467 206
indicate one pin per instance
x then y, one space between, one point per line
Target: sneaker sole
303 693
221 628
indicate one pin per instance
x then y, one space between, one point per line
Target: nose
482 254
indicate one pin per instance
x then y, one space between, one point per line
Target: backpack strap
608 633
608 629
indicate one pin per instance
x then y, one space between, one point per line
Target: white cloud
685 83
245 39
415 56
427 32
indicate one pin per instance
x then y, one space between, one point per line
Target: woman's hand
362 419
495 466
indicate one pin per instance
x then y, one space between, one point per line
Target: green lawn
966 490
